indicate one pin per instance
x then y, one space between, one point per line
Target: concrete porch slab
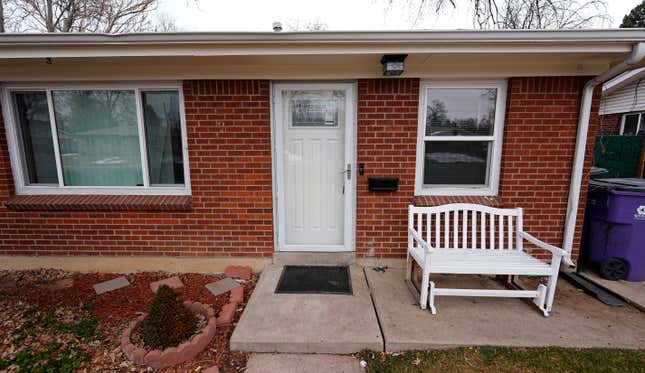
633 292
307 323
577 320
302 363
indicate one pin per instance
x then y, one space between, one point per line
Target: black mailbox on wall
383 184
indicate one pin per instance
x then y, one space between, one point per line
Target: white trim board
342 42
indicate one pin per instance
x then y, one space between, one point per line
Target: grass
503 359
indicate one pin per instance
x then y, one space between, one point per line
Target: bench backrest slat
468 226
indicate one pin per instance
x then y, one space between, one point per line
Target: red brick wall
228 126
610 124
230 167
387 136
538 148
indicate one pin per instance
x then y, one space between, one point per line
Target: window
460 130
323 108
633 124
88 140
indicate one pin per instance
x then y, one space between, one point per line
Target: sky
258 15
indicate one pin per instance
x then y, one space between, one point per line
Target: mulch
116 308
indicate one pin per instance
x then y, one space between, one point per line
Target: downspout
638 53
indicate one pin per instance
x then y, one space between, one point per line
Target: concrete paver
307 323
577 320
110 285
222 286
302 363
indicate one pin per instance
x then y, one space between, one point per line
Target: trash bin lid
628 183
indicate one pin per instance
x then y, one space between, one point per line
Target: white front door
314 148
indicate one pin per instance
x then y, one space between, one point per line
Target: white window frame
493 167
16 157
638 123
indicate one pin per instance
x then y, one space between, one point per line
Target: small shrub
169 322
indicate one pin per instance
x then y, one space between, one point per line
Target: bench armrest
554 250
420 241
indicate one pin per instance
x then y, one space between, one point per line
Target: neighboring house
622 113
190 151
622 106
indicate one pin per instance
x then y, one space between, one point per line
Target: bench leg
551 284
431 300
423 299
408 267
550 292
541 298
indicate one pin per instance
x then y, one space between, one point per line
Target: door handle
348 171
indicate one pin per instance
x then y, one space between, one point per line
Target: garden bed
72 328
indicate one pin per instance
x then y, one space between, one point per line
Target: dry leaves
24 303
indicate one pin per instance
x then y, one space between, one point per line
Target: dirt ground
73 329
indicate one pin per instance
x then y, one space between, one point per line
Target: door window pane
456 162
631 124
163 137
315 108
460 111
32 115
641 126
98 137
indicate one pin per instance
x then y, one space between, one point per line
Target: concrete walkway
577 320
299 363
307 323
633 292
344 324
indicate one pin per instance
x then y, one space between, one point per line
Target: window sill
429 201
99 203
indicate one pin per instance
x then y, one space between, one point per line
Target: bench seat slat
499 262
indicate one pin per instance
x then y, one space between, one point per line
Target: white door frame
277 145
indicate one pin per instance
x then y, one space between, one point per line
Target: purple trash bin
617 232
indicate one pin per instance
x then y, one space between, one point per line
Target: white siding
624 100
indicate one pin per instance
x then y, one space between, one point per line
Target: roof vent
277 26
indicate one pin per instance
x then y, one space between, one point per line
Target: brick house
193 151
622 105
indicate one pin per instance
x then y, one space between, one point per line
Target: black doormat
314 280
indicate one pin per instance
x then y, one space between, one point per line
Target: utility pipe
638 53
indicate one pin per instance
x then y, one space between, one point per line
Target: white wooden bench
475 239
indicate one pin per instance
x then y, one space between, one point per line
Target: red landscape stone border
173 355
173 282
236 295
239 272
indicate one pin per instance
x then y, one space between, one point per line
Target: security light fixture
393 64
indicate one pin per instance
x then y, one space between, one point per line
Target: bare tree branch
297 25
105 16
518 14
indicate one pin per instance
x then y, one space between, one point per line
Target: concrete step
308 323
307 258
305 363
